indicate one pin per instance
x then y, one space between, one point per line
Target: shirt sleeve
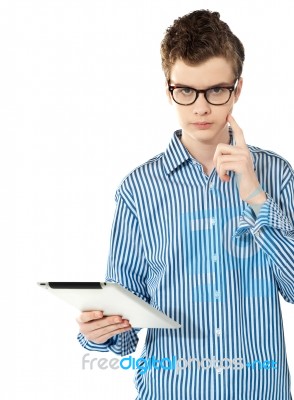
126 266
273 230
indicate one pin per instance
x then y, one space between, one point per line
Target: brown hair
198 36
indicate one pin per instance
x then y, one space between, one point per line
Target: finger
107 330
237 132
222 149
87 316
226 158
227 166
103 322
105 337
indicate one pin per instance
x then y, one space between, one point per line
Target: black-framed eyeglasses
217 95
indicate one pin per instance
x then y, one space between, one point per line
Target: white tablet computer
112 299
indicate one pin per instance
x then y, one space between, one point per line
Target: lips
202 125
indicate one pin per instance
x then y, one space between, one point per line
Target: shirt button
211 186
218 331
217 294
214 258
257 233
212 221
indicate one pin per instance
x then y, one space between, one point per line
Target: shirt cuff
256 208
123 344
270 215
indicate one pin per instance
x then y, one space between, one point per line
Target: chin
208 132
203 135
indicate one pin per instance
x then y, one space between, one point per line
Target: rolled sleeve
270 215
273 230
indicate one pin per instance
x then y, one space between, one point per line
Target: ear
238 89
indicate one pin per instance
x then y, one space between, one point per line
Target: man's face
215 72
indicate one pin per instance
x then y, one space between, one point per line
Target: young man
205 232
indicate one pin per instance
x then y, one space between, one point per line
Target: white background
82 104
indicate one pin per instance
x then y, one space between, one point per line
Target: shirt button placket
216 293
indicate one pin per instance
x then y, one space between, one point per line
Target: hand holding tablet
97 328
108 308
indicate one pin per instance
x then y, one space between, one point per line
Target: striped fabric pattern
186 243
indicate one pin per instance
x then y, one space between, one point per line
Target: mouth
202 125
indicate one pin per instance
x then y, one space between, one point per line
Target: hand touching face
238 159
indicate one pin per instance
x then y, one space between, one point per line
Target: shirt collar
176 154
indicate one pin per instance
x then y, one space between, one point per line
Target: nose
201 106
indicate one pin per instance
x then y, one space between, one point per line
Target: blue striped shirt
186 243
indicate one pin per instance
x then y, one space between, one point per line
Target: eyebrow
212 86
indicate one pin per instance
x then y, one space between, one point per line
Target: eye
186 91
217 90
